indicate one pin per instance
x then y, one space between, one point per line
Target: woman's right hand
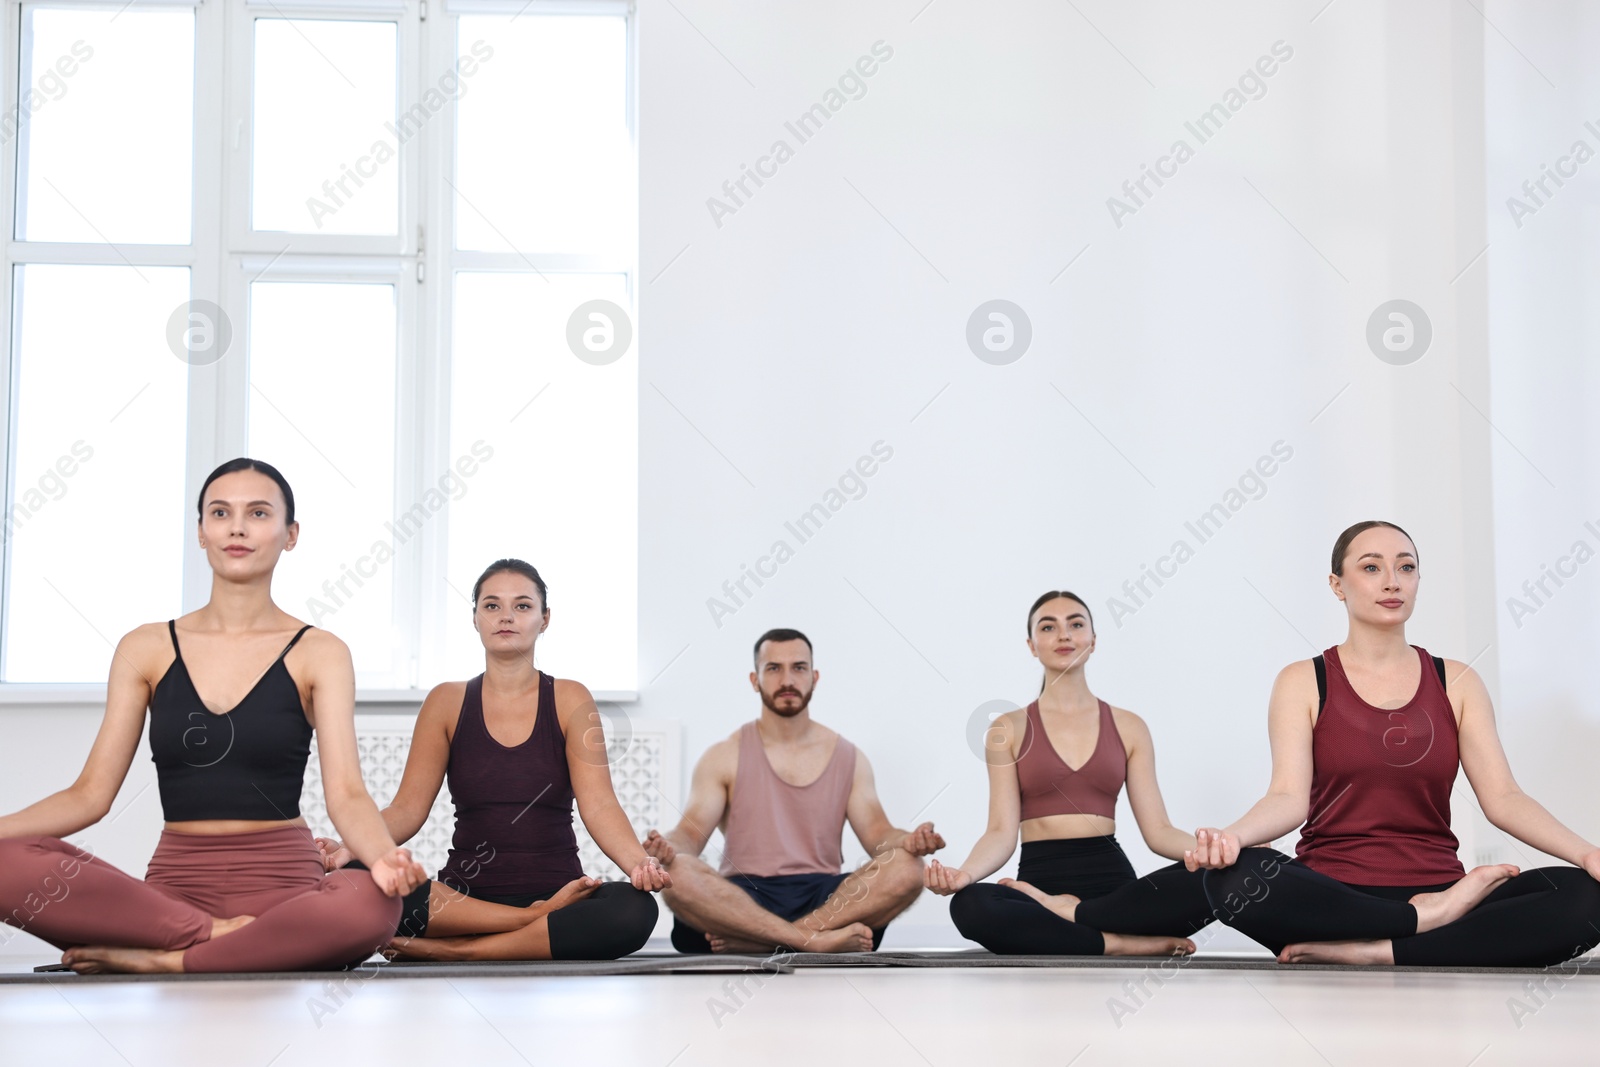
945 880
572 892
397 874
1213 850
334 854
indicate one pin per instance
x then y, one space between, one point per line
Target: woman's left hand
650 876
397 873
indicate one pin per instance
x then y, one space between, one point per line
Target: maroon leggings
304 920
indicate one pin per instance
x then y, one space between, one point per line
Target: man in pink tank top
780 790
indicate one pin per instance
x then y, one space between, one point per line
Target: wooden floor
819 1017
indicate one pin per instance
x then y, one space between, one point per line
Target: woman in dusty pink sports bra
1076 893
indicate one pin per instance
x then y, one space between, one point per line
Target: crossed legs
867 899
584 919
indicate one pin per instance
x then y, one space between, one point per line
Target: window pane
99 162
560 489
544 162
322 370
324 155
96 521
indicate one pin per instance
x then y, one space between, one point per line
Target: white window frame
225 256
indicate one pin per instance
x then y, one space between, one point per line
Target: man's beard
787 713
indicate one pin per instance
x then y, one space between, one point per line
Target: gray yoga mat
783 963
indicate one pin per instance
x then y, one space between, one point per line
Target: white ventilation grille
645 761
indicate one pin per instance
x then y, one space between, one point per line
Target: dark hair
1052 595
781 635
244 463
512 566
1341 547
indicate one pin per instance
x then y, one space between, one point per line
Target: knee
636 915
688 873
366 912
34 864
902 875
969 907
1579 890
618 922
1229 890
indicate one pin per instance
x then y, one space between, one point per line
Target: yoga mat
789 963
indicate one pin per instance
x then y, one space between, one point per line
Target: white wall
778 347
1543 277
1193 337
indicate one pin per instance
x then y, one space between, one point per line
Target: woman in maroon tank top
1076 893
1366 742
518 747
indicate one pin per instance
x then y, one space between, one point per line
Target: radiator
646 762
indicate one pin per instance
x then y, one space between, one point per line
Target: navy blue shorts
788 896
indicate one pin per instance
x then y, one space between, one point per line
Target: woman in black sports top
235 691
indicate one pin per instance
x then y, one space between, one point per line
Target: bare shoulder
1297 679
148 649
1130 726
570 696
446 693
1011 723
721 759
322 645
1460 676
443 702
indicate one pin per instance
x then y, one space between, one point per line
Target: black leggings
613 921
1536 919
1167 902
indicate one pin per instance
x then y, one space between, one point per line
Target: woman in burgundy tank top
518 746
1366 742
1076 893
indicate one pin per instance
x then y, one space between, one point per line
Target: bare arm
87 800
1288 797
350 806
427 761
590 771
999 838
707 804
1144 794
872 826
1504 803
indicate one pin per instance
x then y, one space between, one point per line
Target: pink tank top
1380 785
776 828
1050 787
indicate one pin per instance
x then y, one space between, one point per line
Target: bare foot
228 926
103 959
1064 904
1349 952
1134 945
857 937
721 944
425 948
1436 909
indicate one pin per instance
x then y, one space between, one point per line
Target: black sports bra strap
1321 667
292 641
1438 665
172 628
